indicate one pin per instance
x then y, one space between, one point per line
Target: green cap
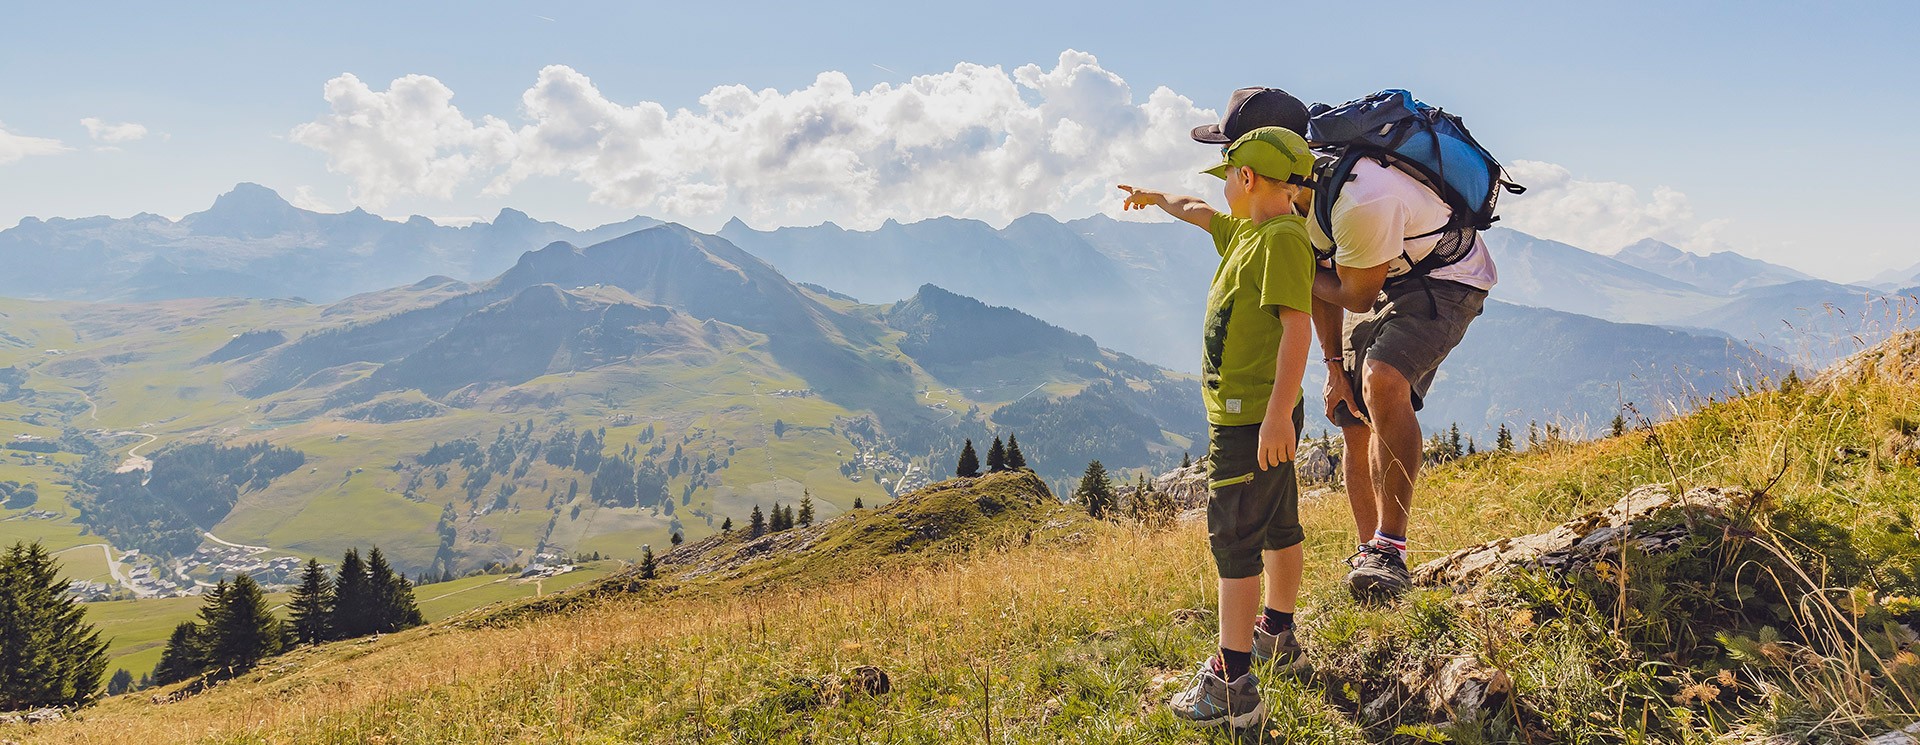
1274 152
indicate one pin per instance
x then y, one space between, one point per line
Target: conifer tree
1503 441
49 654
1471 448
1016 460
183 657
969 465
676 538
1619 425
858 505
1533 435
393 603
647 567
1454 447
756 524
806 509
311 605
1096 491
997 456
777 521
726 526
1186 460
244 631
352 598
121 682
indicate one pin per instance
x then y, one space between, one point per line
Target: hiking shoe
1282 649
1378 574
1211 700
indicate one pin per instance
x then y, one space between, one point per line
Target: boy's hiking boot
1281 649
1211 701
1378 573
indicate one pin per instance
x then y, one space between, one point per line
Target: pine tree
969 465
1186 460
1472 449
311 605
183 657
1454 448
858 505
352 598
786 518
647 567
393 604
1096 491
1503 441
49 654
997 456
1619 424
777 521
726 526
1533 435
676 538
756 524
1016 460
121 682
806 509
244 631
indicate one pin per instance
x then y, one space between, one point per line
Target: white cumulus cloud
1601 216
14 147
975 141
409 139
102 131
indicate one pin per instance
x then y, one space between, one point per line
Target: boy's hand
1277 441
1139 199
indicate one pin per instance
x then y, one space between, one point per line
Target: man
1382 358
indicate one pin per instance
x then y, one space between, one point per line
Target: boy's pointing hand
1139 199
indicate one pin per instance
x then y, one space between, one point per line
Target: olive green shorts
1249 510
1412 326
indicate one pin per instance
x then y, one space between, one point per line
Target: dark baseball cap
1251 109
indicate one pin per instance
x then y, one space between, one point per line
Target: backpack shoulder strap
1328 178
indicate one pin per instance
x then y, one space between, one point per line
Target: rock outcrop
1896 360
1650 518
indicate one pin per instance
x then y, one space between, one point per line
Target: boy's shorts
1412 326
1249 510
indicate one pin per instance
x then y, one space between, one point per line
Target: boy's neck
1263 210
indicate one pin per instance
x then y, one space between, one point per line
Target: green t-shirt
1263 267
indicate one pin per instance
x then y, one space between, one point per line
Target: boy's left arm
1277 436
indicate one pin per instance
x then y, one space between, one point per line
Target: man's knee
1385 388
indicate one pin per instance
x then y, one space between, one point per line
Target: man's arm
1191 209
1277 436
1349 288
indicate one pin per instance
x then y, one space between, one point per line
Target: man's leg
1355 467
1394 455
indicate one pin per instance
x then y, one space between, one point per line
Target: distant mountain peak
1650 248
249 196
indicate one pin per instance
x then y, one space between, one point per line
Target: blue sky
1772 128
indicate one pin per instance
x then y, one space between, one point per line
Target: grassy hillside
1076 633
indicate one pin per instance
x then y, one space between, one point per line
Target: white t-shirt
1375 214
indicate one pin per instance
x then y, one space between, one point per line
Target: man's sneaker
1378 574
1211 700
1282 648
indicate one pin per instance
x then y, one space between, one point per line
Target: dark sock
1277 621
1235 664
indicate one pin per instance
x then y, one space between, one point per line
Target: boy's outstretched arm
1190 209
1277 436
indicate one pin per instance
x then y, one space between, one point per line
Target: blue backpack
1434 147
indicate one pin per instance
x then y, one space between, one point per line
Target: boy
1258 328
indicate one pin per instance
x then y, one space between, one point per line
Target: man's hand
1338 390
1277 441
